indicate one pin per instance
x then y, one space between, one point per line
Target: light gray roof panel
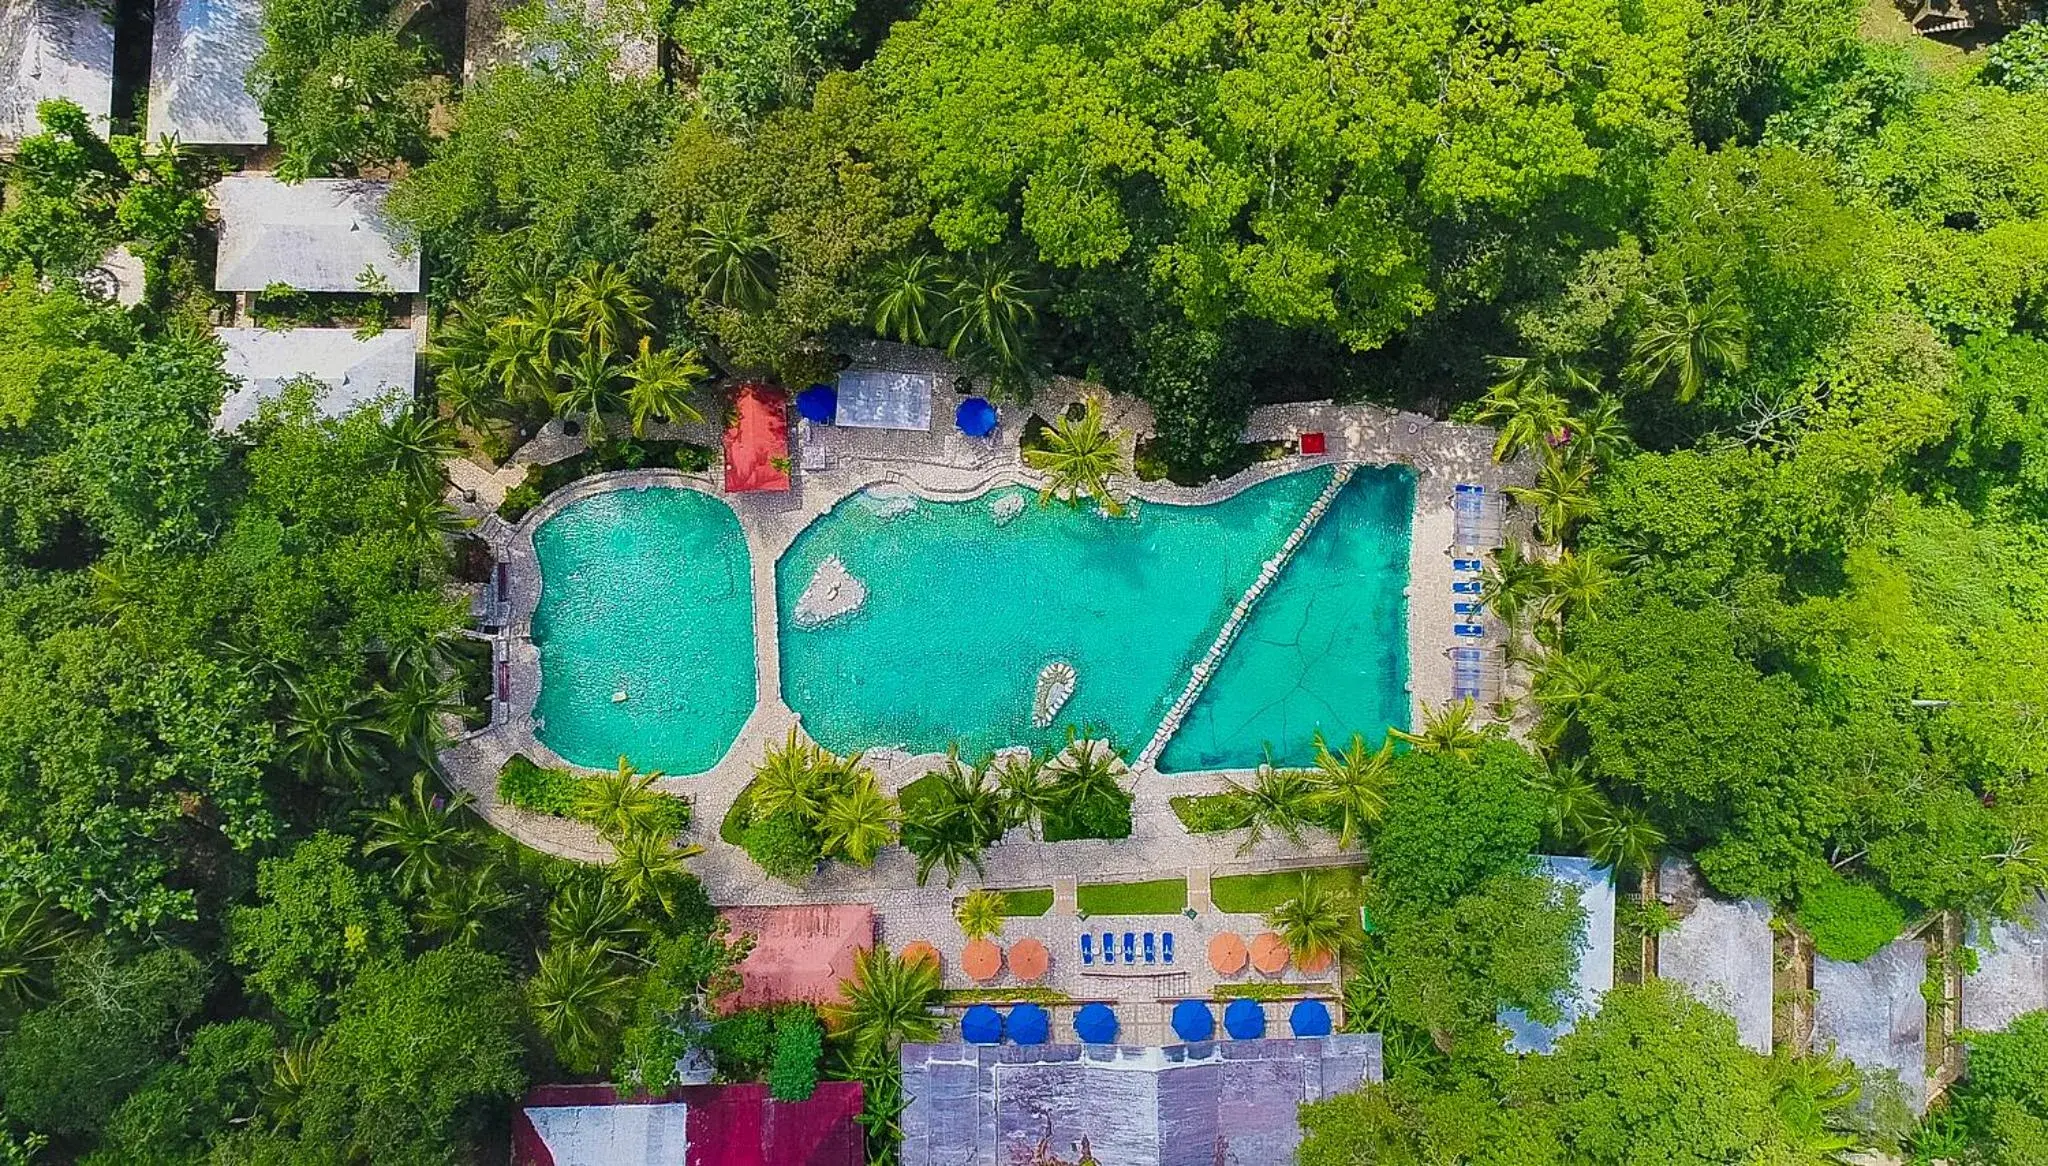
354 372
198 70
1722 953
2012 971
51 49
320 235
1873 1013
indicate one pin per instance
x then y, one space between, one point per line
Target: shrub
518 500
1848 921
799 1043
742 1043
692 458
2019 61
544 791
1209 813
783 846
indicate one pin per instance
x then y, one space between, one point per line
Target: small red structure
800 953
698 1125
757 440
1313 443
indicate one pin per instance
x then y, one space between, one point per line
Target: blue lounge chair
1470 631
1467 488
1130 947
1166 947
1468 565
1108 948
1463 607
1467 586
1087 949
1151 948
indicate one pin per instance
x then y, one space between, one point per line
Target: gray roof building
198 72
352 372
2012 971
1595 974
1222 1103
320 235
1873 1014
51 49
1722 952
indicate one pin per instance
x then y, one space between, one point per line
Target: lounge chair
1087 949
1467 586
1468 565
1130 947
1469 608
1151 948
1470 631
1166 947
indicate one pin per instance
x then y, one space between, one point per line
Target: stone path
1066 895
1198 888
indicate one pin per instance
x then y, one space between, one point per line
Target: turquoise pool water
646 592
1326 648
962 612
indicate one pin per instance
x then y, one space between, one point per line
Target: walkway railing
1199 677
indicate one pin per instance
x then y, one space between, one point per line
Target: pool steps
1199 677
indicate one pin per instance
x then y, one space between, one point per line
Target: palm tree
605 305
460 907
327 733
1079 459
649 870
659 382
955 822
411 713
1566 686
980 913
1025 789
529 345
1513 584
1562 495
1570 800
912 301
787 780
425 832
1352 785
1451 730
734 263
594 911
884 1004
1278 800
990 310
1623 837
468 396
859 820
587 384
1688 342
1579 580
33 934
461 340
428 519
1317 923
622 804
1530 411
1816 1099
283 1096
1600 431
419 440
579 996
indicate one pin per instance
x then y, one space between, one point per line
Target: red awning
757 441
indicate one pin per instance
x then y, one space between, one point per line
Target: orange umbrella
1315 965
1028 959
919 951
1269 953
1226 953
981 960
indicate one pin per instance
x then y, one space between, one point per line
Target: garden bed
1256 894
1026 903
1209 813
1155 897
619 454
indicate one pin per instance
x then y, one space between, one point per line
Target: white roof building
1595 974
198 72
51 49
352 372
320 235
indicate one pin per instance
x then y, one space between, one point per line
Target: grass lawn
1257 894
736 817
1208 813
1158 897
1029 901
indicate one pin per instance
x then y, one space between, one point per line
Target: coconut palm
530 344
650 870
1279 801
460 340
787 780
659 382
424 832
1579 580
1514 585
328 734
33 934
732 260
579 995
1080 458
1623 837
461 907
605 306
417 442
1562 495
1317 923
1351 785
1570 800
411 713
586 383
955 822
884 1004
1566 686
991 307
1026 790
282 1097
1816 1098
1452 729
589 910
980 913
1528 409
622 804
912 299
1686 342
858 820
428 519
467 394
1600 433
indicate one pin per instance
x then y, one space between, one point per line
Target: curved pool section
964 609
646 593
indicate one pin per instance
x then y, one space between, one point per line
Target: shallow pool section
1326 649
645 593
967 601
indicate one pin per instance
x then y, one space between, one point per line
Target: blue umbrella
982 1025
1309 1018
1029 1024
1192 1021
1244 1019
1095 1024
975 417
818 404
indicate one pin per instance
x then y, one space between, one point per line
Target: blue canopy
1309 1018
818 404
1095 1024
1244 1020
982 1025
1029 1024
1192 1021
975 417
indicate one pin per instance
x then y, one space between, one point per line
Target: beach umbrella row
1028 1024
1245 1019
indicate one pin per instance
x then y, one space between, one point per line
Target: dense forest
1761 293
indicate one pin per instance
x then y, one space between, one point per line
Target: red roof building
800 953
698 1125
757 440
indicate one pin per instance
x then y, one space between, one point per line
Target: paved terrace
945 465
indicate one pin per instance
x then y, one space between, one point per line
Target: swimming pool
967 602
646 593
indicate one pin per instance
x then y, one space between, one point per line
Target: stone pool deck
944 465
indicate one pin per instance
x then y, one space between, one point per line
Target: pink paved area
801 953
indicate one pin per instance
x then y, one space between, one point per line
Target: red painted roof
727 1125
757 441
800 953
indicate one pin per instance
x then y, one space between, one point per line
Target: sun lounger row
1157 948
